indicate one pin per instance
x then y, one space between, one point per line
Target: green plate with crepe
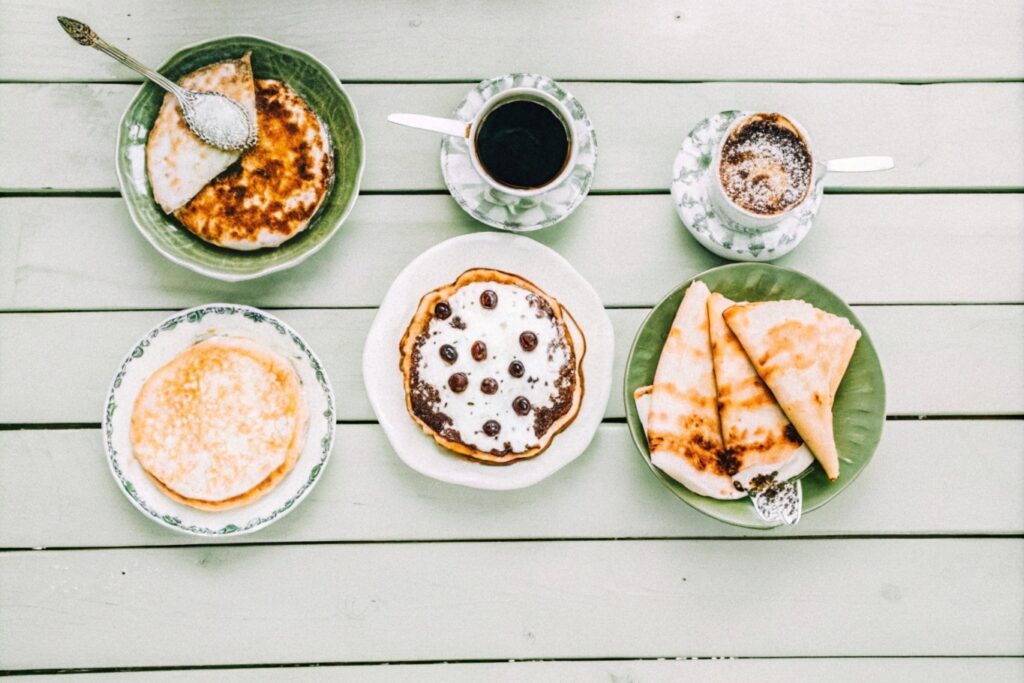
321 90
858 413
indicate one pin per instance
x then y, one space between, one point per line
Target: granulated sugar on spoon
217 120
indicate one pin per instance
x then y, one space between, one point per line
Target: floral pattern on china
506 211
692 174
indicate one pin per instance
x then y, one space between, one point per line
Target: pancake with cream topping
492 367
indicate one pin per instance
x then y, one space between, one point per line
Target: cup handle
459 129
859 164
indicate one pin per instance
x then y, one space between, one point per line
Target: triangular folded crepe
179 164
801 353
682 424
755 431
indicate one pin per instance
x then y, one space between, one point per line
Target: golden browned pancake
492 367
178 163
220 424
277 187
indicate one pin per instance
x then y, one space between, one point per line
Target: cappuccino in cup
764 168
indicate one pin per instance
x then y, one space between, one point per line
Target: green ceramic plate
324 94
858 414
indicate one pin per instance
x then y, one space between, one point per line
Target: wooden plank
938 360
56 491
520 600
650 39
75 151
632 249
905 670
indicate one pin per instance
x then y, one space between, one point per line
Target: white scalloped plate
158 347
441 265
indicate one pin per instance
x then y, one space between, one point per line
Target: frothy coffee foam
765 166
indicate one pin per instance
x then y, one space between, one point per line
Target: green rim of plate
858 413
325 96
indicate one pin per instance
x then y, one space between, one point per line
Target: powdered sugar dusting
765 166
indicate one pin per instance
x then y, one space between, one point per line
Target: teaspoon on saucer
216 119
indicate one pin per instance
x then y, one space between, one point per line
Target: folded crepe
682 421
755 431
801 353
179 164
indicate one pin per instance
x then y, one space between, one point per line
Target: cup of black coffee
763 170
521 142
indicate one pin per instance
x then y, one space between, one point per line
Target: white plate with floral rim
505 211
442 265
162 344
691 176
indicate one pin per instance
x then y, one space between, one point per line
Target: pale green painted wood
962 360
980 147
56 491
536 600
878 670
84 253
646 39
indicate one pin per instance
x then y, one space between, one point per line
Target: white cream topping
499 328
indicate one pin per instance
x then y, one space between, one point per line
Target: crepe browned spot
220 424
683 428
801 353
178 163
754 429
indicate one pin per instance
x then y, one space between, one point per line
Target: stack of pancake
221 424
259 198
745 391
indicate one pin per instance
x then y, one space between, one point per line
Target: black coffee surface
522 144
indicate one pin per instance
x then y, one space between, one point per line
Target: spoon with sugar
216 119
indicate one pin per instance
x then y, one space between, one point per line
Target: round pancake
220 424
551 381
276 188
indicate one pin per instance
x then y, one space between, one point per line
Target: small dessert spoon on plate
217 119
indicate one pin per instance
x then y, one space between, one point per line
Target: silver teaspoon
217 120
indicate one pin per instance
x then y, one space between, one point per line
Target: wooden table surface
916 572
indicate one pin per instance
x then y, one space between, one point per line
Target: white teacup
740 219
737 217
469 130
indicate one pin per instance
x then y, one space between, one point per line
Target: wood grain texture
647 39
56 491
444 601
939 360
915 670
952 135
84 253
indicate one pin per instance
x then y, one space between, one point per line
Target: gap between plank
898 417
52 193
478 541
429 662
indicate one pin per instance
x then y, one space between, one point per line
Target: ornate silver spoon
216 119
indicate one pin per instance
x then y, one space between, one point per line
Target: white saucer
691 177
441 265
505 211
157 348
